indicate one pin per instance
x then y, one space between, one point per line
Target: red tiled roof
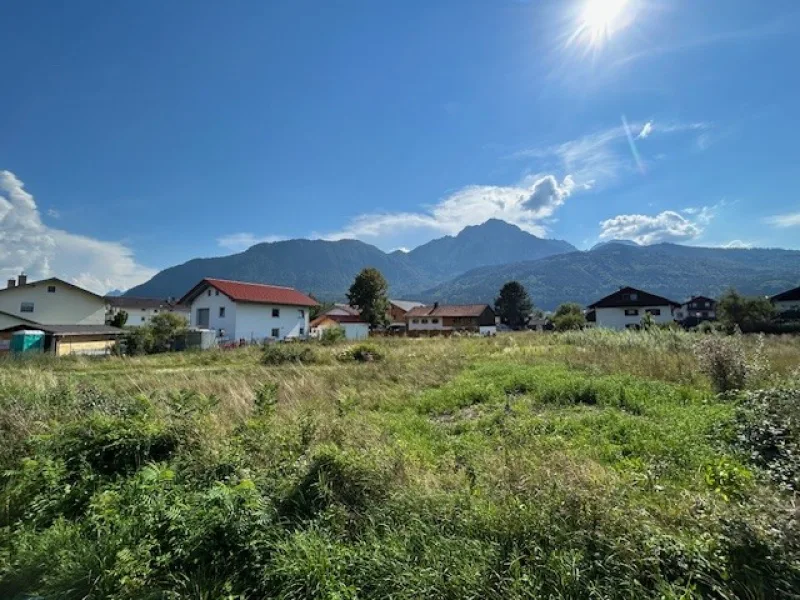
448 310
240 291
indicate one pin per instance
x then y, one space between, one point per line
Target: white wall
138 317
615 318
65 306
356 331
213 303
255 321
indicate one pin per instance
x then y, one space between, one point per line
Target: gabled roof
134 302
337 319
405 305
343 309
258 293
32 284
448 310
629 296
792 295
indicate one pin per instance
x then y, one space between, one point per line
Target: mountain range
473 265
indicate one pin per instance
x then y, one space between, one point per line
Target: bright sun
600 19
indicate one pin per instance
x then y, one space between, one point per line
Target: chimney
12 283
23 279
435 305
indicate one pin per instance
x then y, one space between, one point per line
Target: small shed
27 341
63 340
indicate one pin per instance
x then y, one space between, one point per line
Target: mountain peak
618 242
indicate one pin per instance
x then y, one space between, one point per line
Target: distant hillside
666 269
493 243
327 269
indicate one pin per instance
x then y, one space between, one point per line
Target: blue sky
134 136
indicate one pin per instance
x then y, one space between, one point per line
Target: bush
362 353
723 360
281 353
332 335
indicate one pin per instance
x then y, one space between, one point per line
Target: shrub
362 353
723 360
332 335
278 354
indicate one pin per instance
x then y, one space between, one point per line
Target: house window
633 296
424 321
221 312
434 320
415 320
631 312
144 319
302 331
209 292
705 313
26 307
632 326
276 312
708 304
276 333
51 289
216 292
302 314
155 310
653 311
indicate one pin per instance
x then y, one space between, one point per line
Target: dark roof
50 280
621 298
60 330
448 310
133 302
700 298
792 295
259 293
591 316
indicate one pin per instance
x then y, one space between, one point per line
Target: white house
625 309
49 302
141 310
248 311
788 301
344 316
447 318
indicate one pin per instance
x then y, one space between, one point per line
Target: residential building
253 312
49 302
344 316
625 309
447 318
787 302
141 310
696 310
397 313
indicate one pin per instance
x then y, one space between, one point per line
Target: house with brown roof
239 310
447 318
625 309
344 316
397 313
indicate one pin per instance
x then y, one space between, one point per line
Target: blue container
27 341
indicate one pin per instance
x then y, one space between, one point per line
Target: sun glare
600 19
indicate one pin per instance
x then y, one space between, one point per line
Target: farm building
63 340
448 318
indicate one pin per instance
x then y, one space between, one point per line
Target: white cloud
667 226
535 199
647 129
27 244
53 213
242 241
783 221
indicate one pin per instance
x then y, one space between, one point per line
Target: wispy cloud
244 240
647 129
784 221
53 213
737 245
527 205
27 244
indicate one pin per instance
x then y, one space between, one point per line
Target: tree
119 319
513 305
165 327
369 294
746 313
569 316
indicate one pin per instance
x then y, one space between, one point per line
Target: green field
578 465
